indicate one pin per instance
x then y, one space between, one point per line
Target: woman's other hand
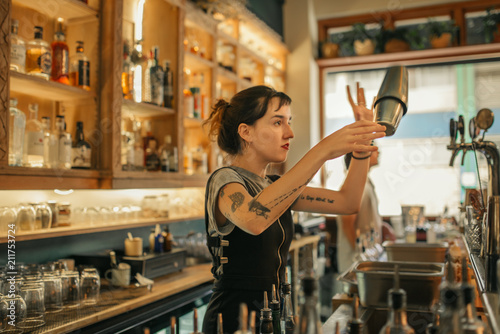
359 109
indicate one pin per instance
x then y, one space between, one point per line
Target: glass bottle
275 308
81 151
79 72
156 79
220 327
127 74
64 143
168 85
17 49
451 302
147 78
17 125
359 251
470 321
355 325
172 325
195 321
252 325
138 147
309 322
60 55
168 155
147 138
33 139
287 315
167 240
38 56
243 320
396 322
137 76
50 147
266 318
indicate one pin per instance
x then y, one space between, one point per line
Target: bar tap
491 224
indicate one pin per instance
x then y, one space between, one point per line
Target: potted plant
394 40
441 33
364 44
330 48
491 23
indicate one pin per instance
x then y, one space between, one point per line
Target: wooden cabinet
218 57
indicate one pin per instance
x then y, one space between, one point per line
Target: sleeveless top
241 261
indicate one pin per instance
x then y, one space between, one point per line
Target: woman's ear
245 132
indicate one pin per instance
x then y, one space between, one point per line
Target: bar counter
115 301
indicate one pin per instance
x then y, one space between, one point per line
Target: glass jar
26 216
150 206
8 217
64 214
43 216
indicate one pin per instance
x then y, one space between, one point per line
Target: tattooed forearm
259 209
317 199
237 199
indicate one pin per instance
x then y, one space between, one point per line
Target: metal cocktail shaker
392 99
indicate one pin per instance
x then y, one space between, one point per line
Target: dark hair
246 107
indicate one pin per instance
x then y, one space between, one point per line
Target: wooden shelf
451 54
67 9
46 178
226 76
229 39
54 91
197 63
144 179
145 109
86 229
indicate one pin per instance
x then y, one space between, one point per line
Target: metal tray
415 252
419 280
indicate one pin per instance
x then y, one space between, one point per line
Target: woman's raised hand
355 137
359 108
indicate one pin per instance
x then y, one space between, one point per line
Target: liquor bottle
50 145
470 321
127 81
17 49
195 92
60 55
168 85
33 139
168 155
275 308
138 147
252 324
195 321
137 70
220 327
287 315
152 158
167 240
396 322
152 240
266 318
452 302
355 325
172 325
17 125
38 56
64 143
243 320
79 72
81 151
309 322
147 78
156 79
158 240
127 144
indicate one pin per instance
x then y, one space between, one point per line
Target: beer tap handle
461 128
453 131
464 151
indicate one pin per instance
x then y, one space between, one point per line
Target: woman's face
271 134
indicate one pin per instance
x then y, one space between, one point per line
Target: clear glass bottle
17 125
152 158
138 147
355 325
50 145
470 321
60 55
33 139
396 322
81 152
309 321
17 49
79 72
168 155
156 79
266 318
38 56
287 315
168 85
451 304
64 143
137 73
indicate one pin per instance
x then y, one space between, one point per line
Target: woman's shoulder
225 175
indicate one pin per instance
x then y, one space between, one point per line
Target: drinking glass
26 216
17 306
90 284
8 217
43 216
3 313
71 288
53 293
33 295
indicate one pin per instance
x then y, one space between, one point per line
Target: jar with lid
64 214
150 206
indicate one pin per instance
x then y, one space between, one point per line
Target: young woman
248 219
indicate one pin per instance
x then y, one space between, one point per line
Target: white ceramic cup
119 276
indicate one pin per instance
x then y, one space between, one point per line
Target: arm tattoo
259 209
222 193
317 199
237 199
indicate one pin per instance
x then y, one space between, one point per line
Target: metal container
392 99
415 252
419 280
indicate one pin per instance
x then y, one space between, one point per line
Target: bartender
247 212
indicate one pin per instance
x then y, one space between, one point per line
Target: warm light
139 15
63 192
